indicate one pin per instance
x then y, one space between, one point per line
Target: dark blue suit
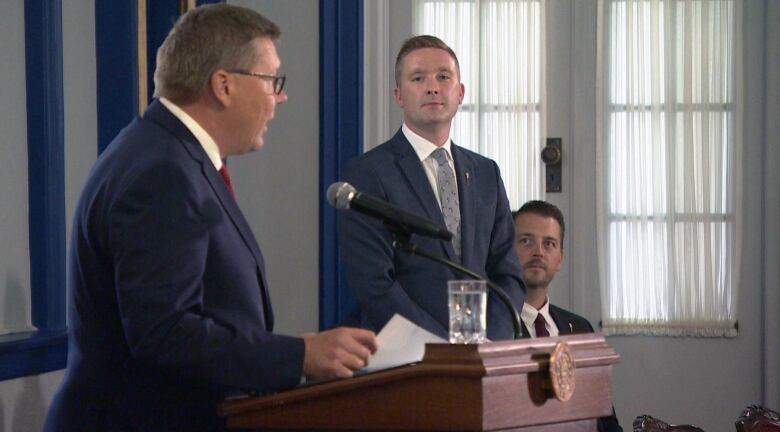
570 323
385 281
168 305
567 322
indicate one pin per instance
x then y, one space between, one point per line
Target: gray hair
203 40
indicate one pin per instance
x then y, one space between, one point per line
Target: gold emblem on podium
562 372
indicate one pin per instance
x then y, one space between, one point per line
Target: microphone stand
402 241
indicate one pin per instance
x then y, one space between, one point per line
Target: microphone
344 196
401 224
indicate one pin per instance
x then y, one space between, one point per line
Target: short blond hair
420 42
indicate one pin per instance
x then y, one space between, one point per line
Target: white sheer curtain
500 47
669 166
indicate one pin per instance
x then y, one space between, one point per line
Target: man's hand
337 352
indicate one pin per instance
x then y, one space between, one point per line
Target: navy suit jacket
567 322
570 323
385 281
168 306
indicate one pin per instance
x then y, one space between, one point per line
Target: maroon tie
226 176
541 330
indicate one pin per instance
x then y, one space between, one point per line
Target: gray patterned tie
448 195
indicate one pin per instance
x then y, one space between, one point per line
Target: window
668 210
43 348
500 48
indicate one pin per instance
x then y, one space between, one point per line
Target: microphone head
340 194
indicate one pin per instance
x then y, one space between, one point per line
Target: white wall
25 401
80 94
14 266
278 186
771 245
387 27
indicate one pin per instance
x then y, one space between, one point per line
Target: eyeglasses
278 79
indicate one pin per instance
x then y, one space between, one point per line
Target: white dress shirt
424 148
529 313
203 137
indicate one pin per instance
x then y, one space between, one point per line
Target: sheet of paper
400 342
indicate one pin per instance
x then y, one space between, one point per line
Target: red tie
226 176
541 330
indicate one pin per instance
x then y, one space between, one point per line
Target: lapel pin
571 328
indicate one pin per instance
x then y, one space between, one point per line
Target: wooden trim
187 5
493 386
143 84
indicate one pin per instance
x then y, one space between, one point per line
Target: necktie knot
228 181
540 326
440 156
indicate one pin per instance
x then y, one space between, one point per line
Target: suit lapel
158 113
411 168
526 334
564 326
464 171
234 212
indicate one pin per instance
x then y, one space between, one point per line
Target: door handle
552 154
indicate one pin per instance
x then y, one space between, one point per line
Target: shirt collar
529 313
203 137
422 146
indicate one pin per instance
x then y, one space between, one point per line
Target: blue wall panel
341 137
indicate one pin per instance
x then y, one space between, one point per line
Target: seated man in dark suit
539 230
168 305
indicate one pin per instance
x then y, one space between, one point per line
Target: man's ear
222 86
462 93
398 100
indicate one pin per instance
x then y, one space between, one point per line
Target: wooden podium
493 386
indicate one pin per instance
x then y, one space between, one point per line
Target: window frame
43 350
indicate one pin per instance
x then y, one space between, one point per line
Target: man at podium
168 304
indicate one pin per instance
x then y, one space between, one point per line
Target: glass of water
467 301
